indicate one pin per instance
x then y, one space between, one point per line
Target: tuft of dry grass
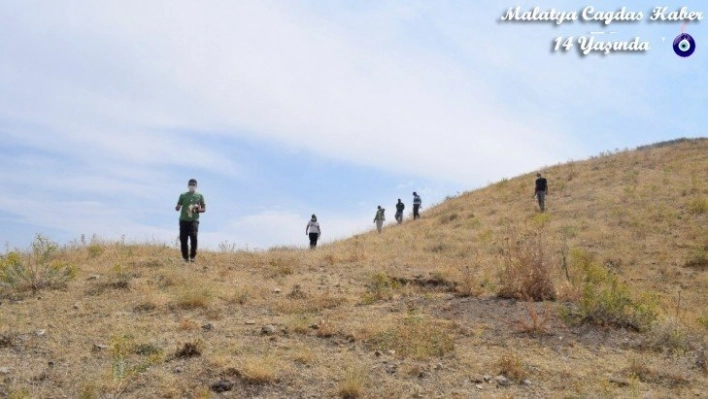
192 298
352 384
510 366
258 370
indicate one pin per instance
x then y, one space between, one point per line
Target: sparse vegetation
421 310
605 300
36 270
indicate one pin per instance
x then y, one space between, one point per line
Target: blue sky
282 109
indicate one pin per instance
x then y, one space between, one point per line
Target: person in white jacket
313 231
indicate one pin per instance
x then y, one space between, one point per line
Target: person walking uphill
379 218
417 202
191 204
399 211
541 191
313 230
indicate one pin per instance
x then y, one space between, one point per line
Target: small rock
250 322
5 370
390 352
526 382
479 386
50 363
268 330
222 386
439 366
502 381
487 378
315 327
76 306
276 290
93 277
207 327
40 332
99 347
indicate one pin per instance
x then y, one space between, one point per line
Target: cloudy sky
282 109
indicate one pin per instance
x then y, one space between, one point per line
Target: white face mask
192 188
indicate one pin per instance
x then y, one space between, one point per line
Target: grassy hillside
604 295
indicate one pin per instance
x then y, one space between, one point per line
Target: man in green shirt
191 204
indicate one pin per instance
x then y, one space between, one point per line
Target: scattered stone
487 378
250 322
526 382
5 370
439 366
315 327
479 386
76 306
268 330
99 347
502 381
50 363
40 333
93 277
276 290
390 352
207 327
222 386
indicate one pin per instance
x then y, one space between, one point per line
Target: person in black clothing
541 191
399 211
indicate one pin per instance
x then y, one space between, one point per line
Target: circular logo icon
684 45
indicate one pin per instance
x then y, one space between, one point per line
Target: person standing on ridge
399 211
191 204
379 218
417 202
313 230
541 191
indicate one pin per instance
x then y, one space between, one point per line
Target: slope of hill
426 309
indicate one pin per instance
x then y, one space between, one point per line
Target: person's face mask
192 188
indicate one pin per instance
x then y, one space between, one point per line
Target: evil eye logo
684 45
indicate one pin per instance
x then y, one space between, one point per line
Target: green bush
607 301
39 270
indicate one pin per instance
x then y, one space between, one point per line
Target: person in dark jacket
540 191
399 211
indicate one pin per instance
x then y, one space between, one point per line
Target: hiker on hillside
379 218
417 202
540 191
399 211
191 204
313 230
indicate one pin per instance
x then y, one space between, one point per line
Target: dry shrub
510 366
190 349
526 272
538 323
467 283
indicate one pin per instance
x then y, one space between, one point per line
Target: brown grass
412 312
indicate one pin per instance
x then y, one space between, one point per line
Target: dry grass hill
604 295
